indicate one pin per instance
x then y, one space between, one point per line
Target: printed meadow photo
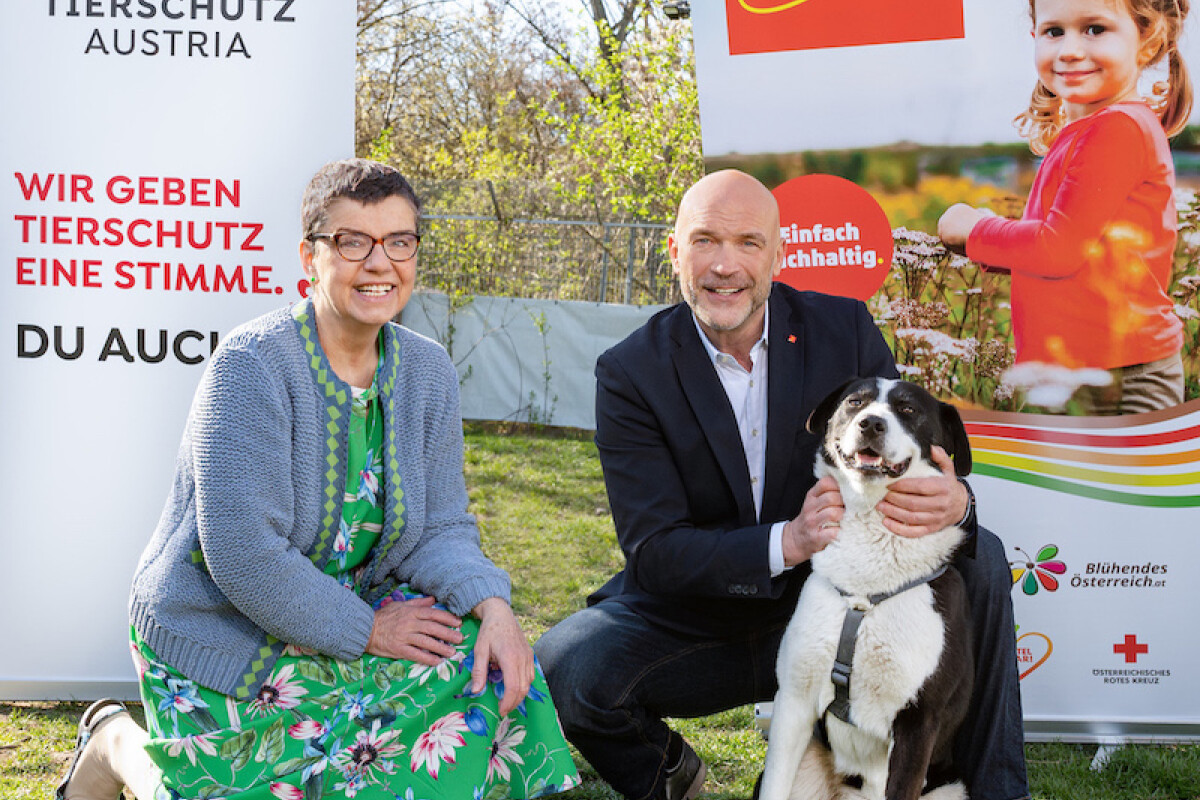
947 122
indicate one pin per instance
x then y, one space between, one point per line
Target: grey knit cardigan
233 571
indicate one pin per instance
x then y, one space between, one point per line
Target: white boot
90 775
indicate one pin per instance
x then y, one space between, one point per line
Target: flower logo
1032 571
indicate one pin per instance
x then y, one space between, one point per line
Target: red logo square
767 26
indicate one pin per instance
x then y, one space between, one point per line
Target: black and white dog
878 651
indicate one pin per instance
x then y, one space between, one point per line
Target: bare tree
396 40
613 23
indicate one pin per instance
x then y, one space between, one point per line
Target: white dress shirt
747 393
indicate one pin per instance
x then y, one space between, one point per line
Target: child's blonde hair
1160 24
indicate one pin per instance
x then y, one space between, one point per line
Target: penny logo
769 26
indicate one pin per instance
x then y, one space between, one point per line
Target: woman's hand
502 643
414 630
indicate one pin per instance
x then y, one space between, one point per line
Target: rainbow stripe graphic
1143 460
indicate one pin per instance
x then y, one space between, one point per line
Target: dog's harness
840 707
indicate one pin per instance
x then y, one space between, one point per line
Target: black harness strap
840 707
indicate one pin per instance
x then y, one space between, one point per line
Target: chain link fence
474 243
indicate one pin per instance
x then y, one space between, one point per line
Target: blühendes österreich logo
1033 573
1041 570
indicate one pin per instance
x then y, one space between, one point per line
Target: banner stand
151 168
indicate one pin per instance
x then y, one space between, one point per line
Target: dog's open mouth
868 461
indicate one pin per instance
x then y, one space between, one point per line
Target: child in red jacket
1091 257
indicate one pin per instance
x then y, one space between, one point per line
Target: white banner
1099 520
152 158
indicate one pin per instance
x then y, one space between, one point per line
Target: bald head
726 250
729 191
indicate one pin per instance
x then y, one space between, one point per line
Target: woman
313 616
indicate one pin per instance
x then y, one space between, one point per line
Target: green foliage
504 120
611 131
541 412
549 492
848 164
383 146
891 171
634 147
1060 771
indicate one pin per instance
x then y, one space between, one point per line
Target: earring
312 279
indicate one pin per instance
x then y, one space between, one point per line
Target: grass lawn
544 517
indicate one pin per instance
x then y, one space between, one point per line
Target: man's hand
502 643
816 525
920 506
415 631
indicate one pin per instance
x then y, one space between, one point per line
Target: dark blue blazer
695 553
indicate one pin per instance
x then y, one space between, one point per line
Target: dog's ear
820 416
957 443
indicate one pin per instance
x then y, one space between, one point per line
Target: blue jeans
614 676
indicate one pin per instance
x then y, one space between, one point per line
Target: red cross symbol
1131 649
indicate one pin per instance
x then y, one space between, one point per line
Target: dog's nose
873 425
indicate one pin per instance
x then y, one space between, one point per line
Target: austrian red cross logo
1131 649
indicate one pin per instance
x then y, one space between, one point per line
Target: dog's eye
854 402
906 410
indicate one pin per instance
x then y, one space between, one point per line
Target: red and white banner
152 157
911 104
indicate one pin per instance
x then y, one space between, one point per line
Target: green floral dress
371 728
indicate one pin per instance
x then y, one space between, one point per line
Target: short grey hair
357 179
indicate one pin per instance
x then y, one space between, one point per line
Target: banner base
69 691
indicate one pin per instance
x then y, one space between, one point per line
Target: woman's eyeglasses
356 246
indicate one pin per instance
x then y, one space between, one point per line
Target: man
700 427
